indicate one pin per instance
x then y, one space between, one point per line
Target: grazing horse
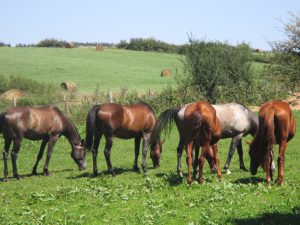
276 126
47 124
236 121
197 125
125 122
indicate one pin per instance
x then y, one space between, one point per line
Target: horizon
257 23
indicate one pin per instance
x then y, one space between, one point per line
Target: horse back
34 123
126 121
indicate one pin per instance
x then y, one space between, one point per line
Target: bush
220 72
151 44
53 43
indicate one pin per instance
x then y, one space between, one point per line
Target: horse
277 125
197 124
236 122
45 123
122 121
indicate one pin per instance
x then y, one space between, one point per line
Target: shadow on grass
117 171
271 218
249 180
172 178
22 176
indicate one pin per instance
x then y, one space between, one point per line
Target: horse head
155 152
78 155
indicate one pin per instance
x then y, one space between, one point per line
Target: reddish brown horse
125 122
46 124
197 125
276 126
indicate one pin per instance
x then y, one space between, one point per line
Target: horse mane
147 105
66 118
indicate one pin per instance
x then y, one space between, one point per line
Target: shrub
220 72
52 43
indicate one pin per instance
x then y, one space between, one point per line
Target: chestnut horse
197 125
276 126
45 123
125 122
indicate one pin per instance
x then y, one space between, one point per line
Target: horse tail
267 127
90 126
2 118
165 119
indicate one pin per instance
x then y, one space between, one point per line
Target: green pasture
70 196
110 69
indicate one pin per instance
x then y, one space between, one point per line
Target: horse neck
71 133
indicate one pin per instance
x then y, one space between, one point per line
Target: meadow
110 69
70 196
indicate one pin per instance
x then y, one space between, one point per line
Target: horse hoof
34 173
228 171
46 173
17 177
243 168
5 179
136 169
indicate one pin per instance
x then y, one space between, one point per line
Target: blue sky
252 21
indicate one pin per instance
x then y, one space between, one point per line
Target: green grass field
70 196
111 69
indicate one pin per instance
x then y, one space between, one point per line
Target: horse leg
267 166
240 152
233 145
5 156
195 158
210 159
146 138
95 152
280 161
216 158
107 151
189 161
204 150
179 154
51 144
14 156
137 142
40 155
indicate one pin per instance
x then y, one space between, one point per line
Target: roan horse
47 124
236 121
197 124
125 122
276 126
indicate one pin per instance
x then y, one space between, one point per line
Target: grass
70 196
88 68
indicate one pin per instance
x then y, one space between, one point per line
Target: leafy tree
220 72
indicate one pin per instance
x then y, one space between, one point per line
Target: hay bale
69 86
99 48
70 45
13 93
166 73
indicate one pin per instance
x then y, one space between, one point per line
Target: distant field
110 69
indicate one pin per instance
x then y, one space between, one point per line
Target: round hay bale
99 48
13 93
70 45
69 86
166 73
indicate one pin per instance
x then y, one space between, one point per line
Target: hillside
110 69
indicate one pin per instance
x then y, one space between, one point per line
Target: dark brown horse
197 125
47 124
276 126
125 122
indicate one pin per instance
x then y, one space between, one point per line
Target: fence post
65 102
15 101
110 96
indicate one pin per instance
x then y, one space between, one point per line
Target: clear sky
252 21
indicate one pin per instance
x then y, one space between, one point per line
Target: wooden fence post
66 107
15 101
110 96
